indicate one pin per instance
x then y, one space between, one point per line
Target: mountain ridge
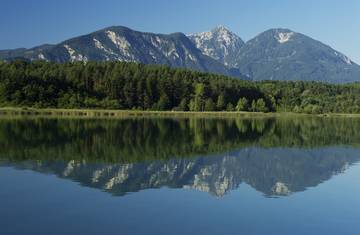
283 54
275 54
119 43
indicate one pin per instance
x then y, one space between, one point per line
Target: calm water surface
180 176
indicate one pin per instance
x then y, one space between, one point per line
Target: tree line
121 85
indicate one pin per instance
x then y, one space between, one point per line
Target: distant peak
116 27
278 30
282 35
220 28
284 30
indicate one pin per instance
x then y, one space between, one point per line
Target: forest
122 85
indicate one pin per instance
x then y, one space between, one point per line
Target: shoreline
103 113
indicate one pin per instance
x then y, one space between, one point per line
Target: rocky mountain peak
219 43
283 54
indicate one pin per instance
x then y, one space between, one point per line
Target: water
180 176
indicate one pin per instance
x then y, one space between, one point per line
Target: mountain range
276 54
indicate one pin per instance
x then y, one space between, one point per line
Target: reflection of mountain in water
276 156
274 171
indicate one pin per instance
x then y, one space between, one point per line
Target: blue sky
27 23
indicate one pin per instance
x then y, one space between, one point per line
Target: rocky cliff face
220 44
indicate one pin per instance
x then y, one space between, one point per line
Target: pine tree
242 104
220 104
253 106
209 105
230 107
260 105
199 97
164 102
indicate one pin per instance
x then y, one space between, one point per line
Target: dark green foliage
312 97
242 104
220 104
118 85
210 105
258 106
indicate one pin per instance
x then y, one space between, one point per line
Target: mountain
220 44
123 44
281 54
276 54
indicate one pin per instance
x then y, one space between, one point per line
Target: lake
291 175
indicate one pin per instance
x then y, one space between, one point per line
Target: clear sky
27 23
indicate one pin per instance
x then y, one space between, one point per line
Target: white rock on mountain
284 37
220 44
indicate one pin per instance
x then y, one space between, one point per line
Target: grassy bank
98 113
102 113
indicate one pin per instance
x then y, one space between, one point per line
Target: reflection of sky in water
55 206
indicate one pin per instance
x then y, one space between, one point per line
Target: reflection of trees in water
133 140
